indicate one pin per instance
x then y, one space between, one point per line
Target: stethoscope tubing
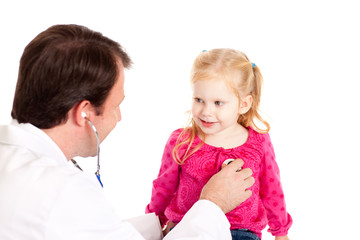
97 173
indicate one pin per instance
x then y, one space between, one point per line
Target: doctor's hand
229 187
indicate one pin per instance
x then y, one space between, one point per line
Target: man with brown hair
71 80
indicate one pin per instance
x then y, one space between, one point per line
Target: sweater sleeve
271 192
165 185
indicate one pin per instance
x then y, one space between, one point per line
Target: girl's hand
169 225
281 238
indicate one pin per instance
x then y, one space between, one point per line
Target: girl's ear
245 104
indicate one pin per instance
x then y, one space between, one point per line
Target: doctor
67 100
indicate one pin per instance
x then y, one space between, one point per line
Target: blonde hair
242 76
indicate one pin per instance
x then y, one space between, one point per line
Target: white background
308 52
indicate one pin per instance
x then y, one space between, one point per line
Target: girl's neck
227 139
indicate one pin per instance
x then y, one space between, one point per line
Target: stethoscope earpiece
83 114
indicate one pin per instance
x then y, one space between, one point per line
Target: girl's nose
207 110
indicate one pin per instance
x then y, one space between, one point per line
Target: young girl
226 95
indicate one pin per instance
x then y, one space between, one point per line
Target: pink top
177 187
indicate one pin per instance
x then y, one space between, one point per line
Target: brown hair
62 66
241 75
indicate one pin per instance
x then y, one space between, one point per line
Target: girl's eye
219 103
199 100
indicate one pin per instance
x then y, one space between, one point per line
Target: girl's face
215 107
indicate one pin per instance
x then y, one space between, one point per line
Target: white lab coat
43 196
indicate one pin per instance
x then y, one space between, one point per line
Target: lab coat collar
28 136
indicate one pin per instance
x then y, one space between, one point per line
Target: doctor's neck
70 139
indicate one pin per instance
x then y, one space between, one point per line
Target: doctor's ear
245 104
81 112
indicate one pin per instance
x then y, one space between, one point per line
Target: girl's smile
207 124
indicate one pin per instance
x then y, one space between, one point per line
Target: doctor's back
43 196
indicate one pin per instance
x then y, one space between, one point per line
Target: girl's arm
281 238
272 194
165 185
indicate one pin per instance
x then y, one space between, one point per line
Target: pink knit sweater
177 187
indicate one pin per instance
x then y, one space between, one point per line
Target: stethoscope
97 173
